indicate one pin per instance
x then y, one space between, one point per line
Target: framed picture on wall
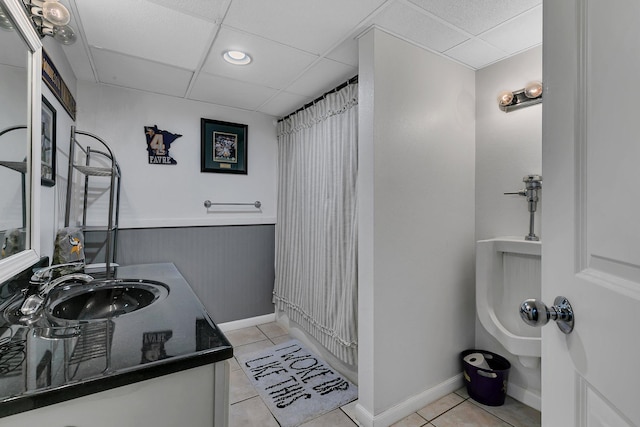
224 147
48 145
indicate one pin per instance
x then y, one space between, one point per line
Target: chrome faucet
43 283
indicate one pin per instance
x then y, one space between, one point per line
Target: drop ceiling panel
228 92
77 53
274 65
284 103
476 16
79 61
475 53
300 48
411 24
211 10
323 76
518 34
311 25
121 70
140 28
346 52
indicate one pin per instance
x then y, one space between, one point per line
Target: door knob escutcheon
536 313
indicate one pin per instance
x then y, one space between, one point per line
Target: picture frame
224 147
48 145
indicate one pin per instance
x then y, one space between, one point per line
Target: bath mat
295 384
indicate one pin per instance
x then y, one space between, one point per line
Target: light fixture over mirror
55 13
51 18
531 94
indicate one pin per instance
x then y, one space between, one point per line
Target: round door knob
536 313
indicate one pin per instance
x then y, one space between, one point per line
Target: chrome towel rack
209 203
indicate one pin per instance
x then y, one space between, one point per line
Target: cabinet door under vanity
197 397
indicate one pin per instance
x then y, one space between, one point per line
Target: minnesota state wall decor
158 145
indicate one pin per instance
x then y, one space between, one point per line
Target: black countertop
172 334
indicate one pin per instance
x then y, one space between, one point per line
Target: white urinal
507 273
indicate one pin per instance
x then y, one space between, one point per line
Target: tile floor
453 410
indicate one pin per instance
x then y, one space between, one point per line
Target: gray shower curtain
316 233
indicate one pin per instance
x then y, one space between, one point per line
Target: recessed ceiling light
236 57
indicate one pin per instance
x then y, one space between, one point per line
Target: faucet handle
43 274
31 304
517 193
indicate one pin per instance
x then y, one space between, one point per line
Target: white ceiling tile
273 64
312 25
284 103
478 15
346 52
519 34
423 30
76 53
228 92
323 76
475 53
211 10
154 45
146 30
114 68
79 61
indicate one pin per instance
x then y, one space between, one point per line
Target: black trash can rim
494 359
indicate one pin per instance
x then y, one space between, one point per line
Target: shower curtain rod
352 80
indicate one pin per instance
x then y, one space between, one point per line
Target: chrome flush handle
536 313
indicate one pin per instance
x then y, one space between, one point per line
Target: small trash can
486 375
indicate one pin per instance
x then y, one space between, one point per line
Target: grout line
456 405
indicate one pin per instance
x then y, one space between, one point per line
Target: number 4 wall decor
158 145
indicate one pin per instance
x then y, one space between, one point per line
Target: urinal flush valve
532 185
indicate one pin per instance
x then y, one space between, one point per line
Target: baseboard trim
409 406
528 397
245 323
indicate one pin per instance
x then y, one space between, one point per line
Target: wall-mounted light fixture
530 95
51 18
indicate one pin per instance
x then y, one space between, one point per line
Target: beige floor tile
251 412
240 387
440 406
233 364
462 392
250 348
350 410
335 418
413 420
280 339
273 329
468 415
515 413
245 336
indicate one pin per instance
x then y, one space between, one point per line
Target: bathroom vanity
158 365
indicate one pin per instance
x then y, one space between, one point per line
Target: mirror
20 92
14 141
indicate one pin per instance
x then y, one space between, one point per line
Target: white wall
173 195
416 226
508 147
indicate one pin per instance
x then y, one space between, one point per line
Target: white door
591 211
